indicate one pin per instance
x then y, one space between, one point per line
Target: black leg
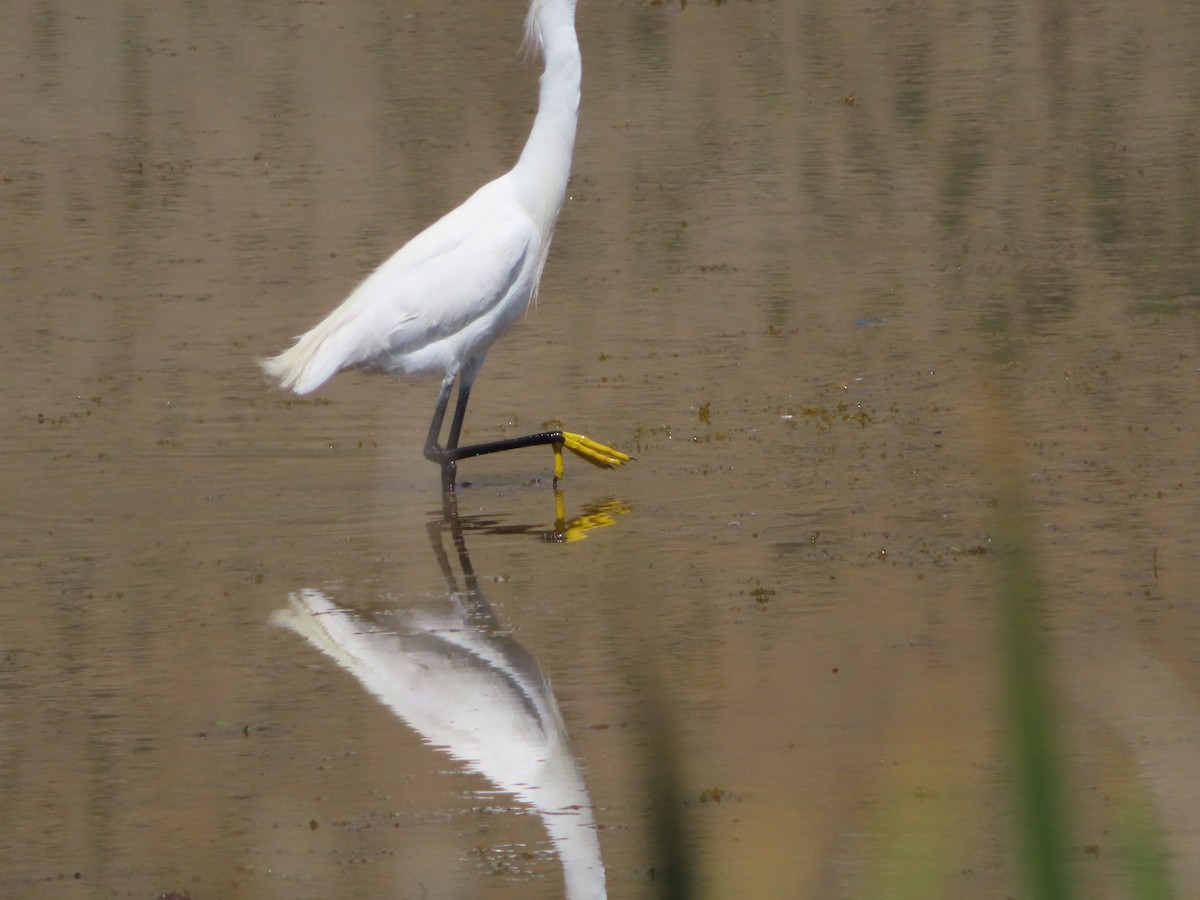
448 456
529 440
432 450
454 452
460 413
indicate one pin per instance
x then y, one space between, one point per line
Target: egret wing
485 278
474 266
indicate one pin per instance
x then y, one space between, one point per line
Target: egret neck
542 171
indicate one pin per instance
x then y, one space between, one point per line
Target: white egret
440 302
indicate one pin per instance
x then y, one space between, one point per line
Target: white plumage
446 296
452 290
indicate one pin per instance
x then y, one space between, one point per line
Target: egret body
440 302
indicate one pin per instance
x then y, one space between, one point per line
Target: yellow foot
594 452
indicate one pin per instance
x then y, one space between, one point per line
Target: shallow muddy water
847 281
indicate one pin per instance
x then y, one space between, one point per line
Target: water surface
845 280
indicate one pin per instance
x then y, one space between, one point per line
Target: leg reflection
467 686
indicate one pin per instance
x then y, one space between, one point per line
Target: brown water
828 270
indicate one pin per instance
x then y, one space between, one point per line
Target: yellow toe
593 451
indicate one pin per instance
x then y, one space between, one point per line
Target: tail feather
330 346
299 368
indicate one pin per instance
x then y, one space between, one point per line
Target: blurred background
897 306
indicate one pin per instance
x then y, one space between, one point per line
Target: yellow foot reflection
593 451
594 515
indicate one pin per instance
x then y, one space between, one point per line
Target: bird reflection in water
466 685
